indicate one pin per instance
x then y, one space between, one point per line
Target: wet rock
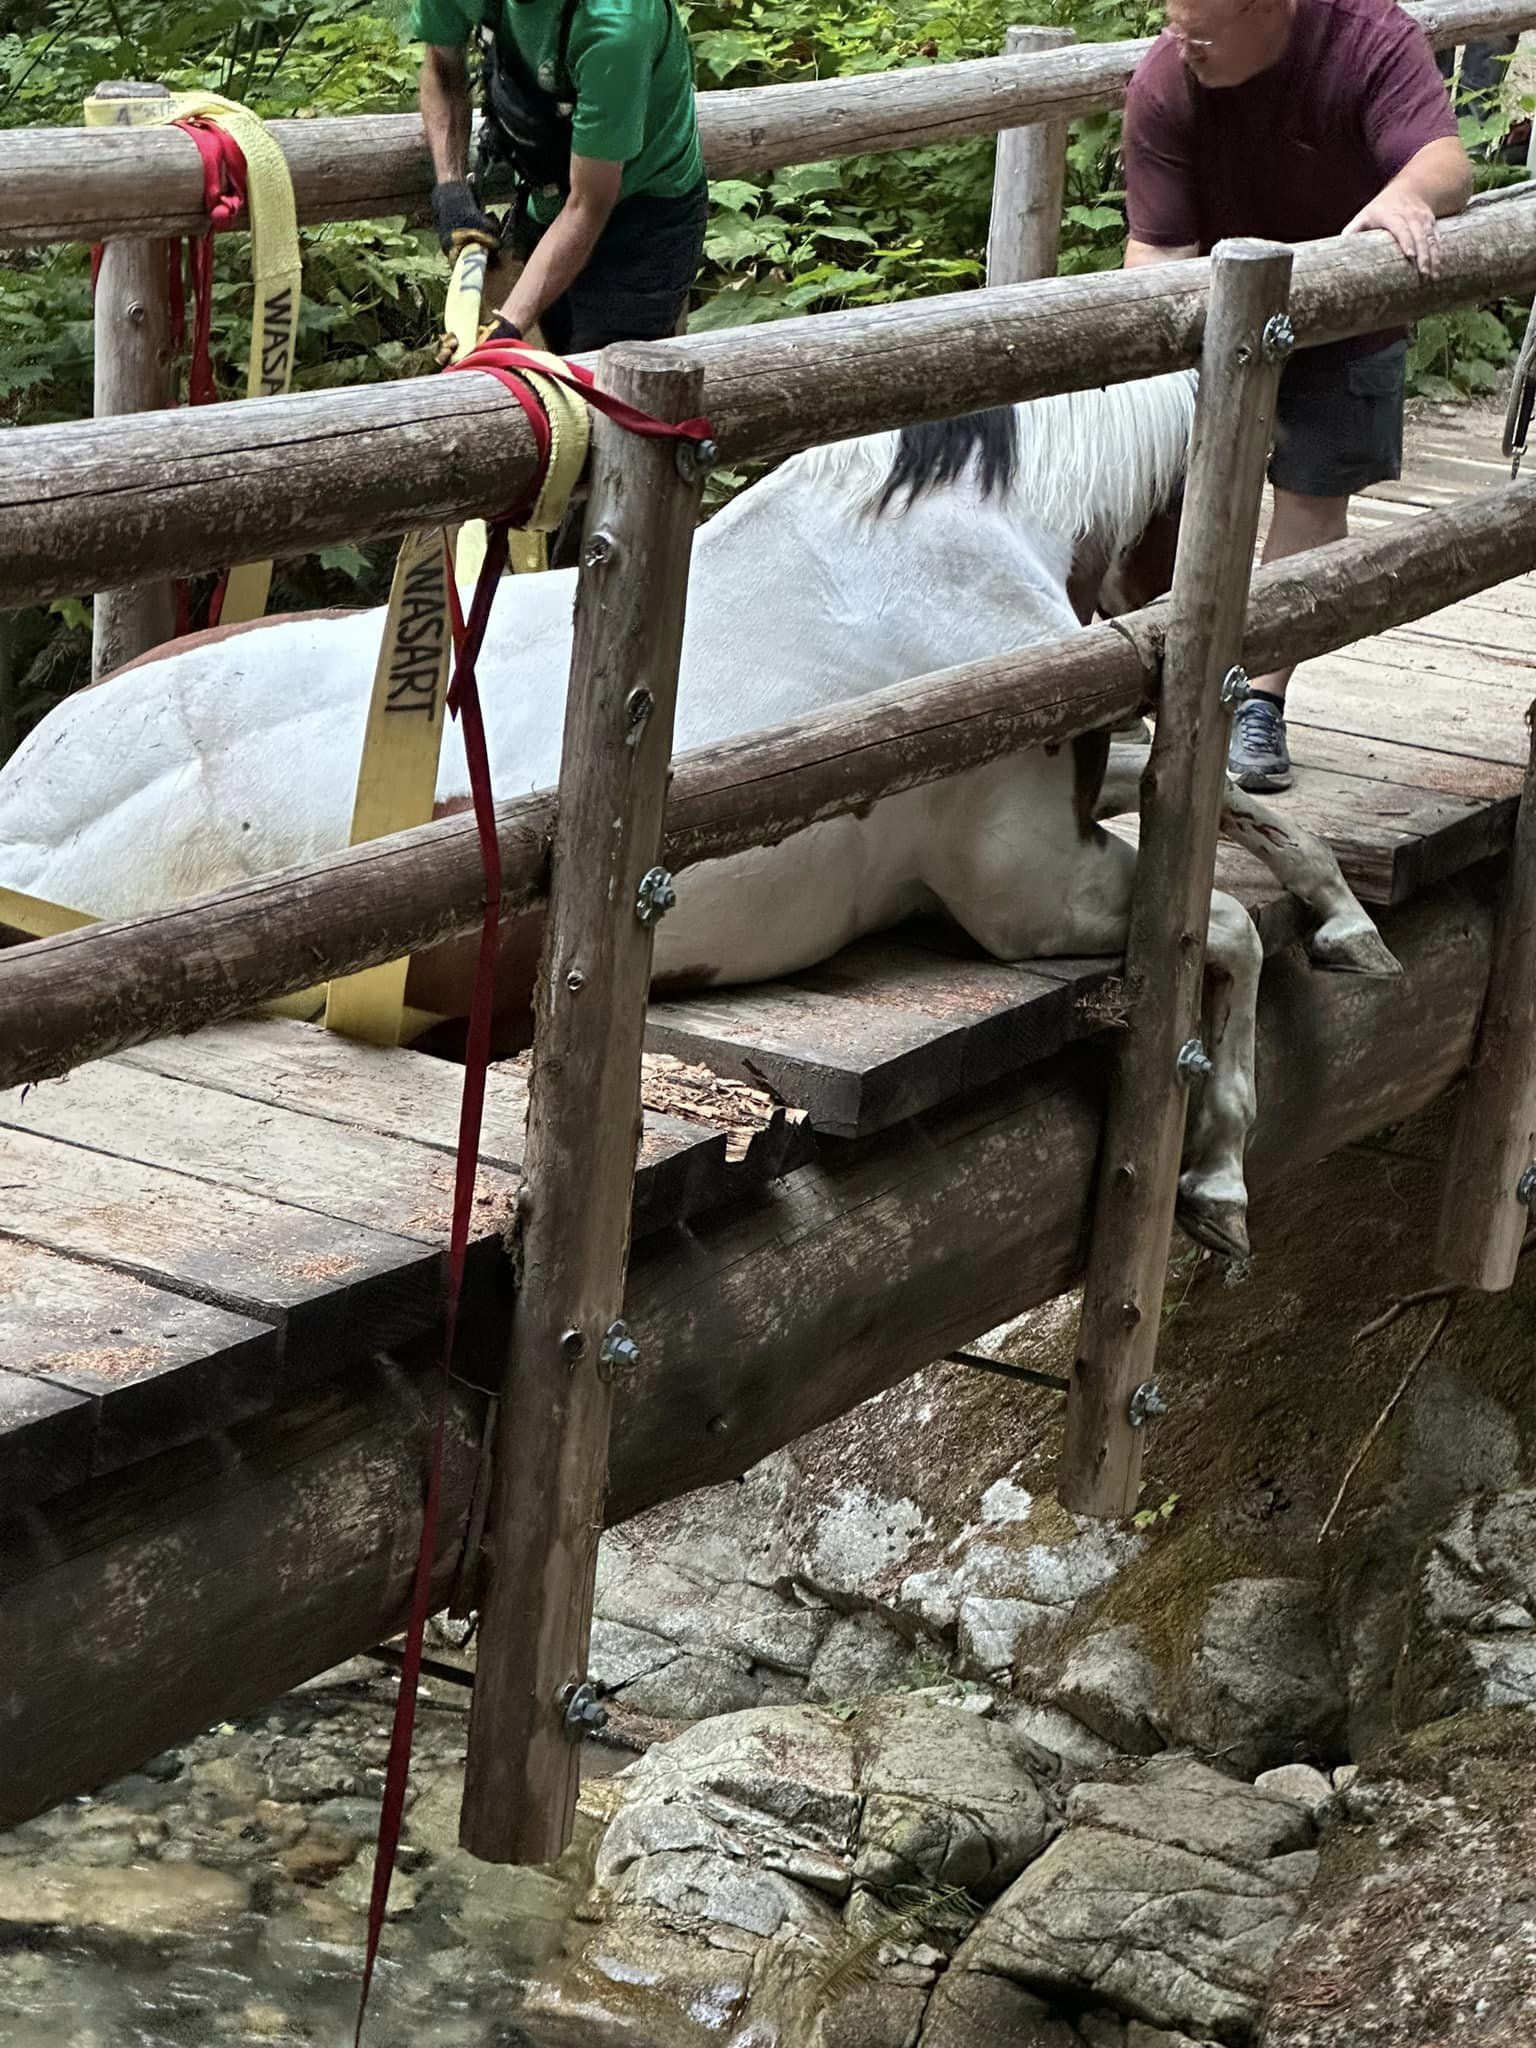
1112 1686
147 1902
1263 1684
1309 1788
1471 1635
353 1890
1209 1873
1422 1928
318 1857
792 1840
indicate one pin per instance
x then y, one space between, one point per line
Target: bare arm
445 102
1139 253
1436 182
568 241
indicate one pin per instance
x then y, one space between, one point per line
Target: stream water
220 1894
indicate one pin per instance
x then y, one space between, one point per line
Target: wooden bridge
221 1254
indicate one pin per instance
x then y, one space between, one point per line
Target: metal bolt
638 706
718 1426
575 981
1279 337
1125 1176
599 549
695 459
1147 1404
1193 1062
1235 687
572 1344
655 896
619 1352
1525 1186
583 1709
1130 1314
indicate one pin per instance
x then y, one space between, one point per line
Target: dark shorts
1339 422
637 280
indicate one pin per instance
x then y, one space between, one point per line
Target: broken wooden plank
333 1290
878 1033
157 1369
764 1139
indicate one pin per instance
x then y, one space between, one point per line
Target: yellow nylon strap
275 270
402 741
276 278
37 917
40 919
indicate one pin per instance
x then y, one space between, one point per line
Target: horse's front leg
1345 938
1213 1195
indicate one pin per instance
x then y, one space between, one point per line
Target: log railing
93 991
63 185
115 501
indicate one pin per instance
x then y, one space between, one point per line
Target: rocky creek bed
909 1758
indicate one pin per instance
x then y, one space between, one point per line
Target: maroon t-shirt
1294 153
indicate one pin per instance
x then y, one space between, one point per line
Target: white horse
849 569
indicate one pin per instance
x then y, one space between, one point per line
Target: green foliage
816 237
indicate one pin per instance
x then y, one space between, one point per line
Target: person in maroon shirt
1295 119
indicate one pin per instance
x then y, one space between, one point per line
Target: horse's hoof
1221 1227
1351 946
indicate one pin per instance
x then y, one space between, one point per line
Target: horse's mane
1098 462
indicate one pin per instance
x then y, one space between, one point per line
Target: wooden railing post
1490 1179
1028 181
1246 338
583 1125
132 342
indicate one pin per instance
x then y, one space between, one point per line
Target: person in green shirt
592 101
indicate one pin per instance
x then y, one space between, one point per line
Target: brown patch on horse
1085 579
1090 757
210 636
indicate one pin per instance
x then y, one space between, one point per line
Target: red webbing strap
464 703
506 361
509 361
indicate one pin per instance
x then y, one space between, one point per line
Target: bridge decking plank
154 1369
45 1440
395 1093
335 1170
329 1288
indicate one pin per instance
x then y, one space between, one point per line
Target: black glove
501 329
455 210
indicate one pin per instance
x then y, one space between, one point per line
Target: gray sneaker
1258 759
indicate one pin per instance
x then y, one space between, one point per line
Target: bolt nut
599 549
655 896
1146 1404
1193 1062
1279 337
582 1709
1235 687
695 459
619 1352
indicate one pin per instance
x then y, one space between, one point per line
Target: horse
849 568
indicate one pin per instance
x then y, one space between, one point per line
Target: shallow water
220 1894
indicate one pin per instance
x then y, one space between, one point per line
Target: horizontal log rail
93 991
110 502
65 184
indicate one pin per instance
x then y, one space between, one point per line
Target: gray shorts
1339 422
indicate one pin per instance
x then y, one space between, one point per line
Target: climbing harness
534 380
245 182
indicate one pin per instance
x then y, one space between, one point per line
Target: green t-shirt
632 69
